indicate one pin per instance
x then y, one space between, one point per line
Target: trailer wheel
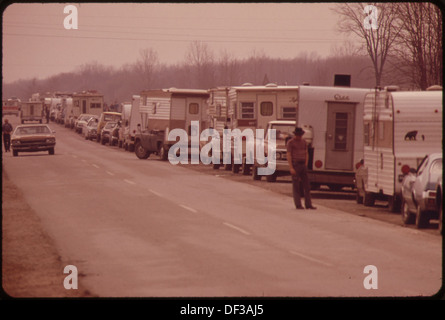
235 168
51 151
407 216
15 153
422 219
140 151
394 204
216 166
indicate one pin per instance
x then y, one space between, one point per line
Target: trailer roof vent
434 88
271 85
247 84
392 88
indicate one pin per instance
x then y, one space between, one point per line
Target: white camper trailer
335 116
164 110
250 107
331 117
131 127
86 102
400 129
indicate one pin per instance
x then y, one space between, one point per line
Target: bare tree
200 59
147 66
228 67
418 51
375 25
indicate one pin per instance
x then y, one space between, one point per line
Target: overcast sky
36 43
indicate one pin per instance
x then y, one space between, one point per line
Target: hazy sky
36 43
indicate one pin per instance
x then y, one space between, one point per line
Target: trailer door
193 113
340 136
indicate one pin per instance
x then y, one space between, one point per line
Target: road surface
146 228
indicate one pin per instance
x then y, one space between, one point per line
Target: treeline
200 69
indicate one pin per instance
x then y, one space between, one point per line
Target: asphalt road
146 228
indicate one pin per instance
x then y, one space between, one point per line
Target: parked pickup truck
148 142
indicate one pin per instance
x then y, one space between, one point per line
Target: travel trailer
31 111
331 116
164 110
400 129
85 102
249 107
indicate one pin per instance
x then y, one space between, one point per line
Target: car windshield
283 131
110 125
112 117
33 130
92 123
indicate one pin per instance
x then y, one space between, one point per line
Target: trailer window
289 113
341 130
95 105
193 108
247 110
266 108
366 140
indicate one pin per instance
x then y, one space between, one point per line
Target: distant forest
202 71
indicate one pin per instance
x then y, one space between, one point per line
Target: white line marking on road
110 173
236 228
95 165
188 208
310 258
83 160
155 193
129 182
74 156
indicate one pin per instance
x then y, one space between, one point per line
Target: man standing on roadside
297 157
6 130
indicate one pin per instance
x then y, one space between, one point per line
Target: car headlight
15 142
51 140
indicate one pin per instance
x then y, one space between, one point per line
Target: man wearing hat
297 157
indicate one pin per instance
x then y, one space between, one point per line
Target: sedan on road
32 138
419 192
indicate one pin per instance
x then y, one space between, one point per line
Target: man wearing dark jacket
6 130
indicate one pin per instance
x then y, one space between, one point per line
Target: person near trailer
6 131
297 155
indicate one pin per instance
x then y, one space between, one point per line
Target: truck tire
407 216
15 153
140 151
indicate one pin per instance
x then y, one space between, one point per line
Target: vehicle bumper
32 148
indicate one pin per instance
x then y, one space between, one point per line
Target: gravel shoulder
31 266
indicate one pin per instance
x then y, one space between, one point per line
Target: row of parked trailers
389 131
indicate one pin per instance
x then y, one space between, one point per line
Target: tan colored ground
31 266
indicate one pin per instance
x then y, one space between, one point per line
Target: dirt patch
31 266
